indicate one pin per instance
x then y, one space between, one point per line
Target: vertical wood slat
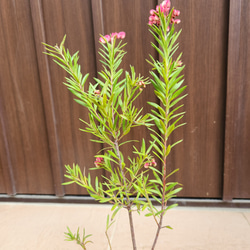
6 163
231 108
75 146
203 43
98 27
39 35
7 168
22 103
237 136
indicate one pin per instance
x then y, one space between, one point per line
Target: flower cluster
164 7
110 38
99 161
142 85
177 63
97 92
151 163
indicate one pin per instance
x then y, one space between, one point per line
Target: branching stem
117 150
109 242
131 224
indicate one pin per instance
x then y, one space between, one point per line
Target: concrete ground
26 226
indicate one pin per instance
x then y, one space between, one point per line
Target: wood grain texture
204 44
98 28
237 141
48 102
40 121
3 189
7 178
22 103
74 19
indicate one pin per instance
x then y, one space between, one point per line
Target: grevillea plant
112 114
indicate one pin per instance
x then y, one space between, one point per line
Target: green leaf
177 93
81 102
173 172
177 100
68 183
115 212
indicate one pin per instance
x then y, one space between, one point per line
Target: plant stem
157 232
131 224
117 150
163 204
106 232
132 230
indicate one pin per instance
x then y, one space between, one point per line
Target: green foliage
167 83
69 236
111 116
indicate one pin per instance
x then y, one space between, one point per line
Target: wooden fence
39 121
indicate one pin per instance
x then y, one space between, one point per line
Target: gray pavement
42 226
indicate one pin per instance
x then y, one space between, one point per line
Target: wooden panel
39 119
2 180
74 19
39 35
98 28
7 182
203 42
237 157
22 107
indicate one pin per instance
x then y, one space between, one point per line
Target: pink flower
113 35
97 92
110 38
176 21
121 35
151 163
152 12
99 161
101 40
164 7
176 13
166 4
142 85
105 39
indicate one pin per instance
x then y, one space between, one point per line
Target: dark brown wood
204 44
48 102
98 28
24 124
237 141
40 121
7 178
73 18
